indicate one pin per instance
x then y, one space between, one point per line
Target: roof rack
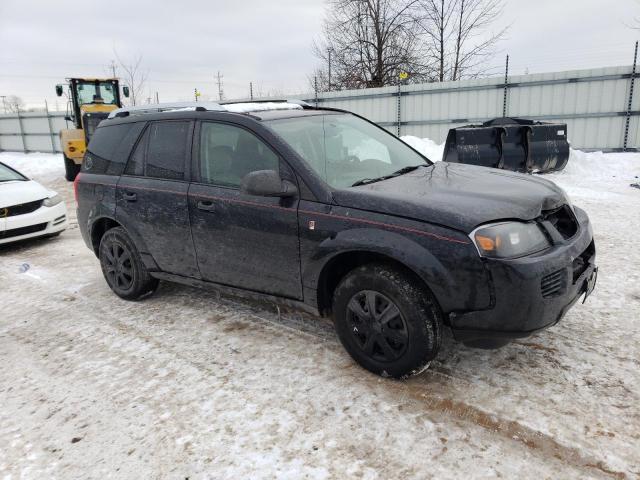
202 107
165 107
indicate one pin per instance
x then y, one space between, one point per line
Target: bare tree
474 43
134 76
13 104
435 20
457 35
370 42
634 22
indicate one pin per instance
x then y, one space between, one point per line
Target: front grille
22 208
581 263
16 232
553 284
563 220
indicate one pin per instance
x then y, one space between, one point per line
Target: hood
17 192
456 195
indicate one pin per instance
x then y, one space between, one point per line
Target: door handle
207 206
130 197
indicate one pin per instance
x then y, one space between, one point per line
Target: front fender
453 290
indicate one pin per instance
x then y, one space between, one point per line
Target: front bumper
43 221
533 292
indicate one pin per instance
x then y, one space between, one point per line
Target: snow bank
604 167
39 166
599 170
432 150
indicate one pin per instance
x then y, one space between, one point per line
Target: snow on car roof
246 107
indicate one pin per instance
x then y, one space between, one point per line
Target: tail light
75 186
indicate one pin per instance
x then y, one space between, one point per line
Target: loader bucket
514 144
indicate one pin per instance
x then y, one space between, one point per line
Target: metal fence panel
31 131
593 104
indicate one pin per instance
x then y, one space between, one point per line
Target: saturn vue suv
323 210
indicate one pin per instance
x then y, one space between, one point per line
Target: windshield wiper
397 173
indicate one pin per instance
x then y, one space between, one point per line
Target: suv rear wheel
122 266
388 325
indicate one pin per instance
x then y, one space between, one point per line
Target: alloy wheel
118 266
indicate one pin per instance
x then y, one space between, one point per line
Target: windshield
344 149
7 175
96 92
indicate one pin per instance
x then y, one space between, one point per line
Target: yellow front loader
90 101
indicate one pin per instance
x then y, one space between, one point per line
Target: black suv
323 209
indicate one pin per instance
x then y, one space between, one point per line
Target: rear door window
109 148
167 149
135 165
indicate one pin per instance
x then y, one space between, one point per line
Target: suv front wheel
122 266
387 323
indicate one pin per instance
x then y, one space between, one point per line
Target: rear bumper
44 221
533 292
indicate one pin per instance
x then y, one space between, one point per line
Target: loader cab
90 101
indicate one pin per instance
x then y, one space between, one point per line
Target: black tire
71 169
122 266
389 343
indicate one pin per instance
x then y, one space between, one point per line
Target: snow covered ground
188 384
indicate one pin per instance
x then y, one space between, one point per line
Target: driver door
242 240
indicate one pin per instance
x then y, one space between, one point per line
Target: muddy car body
324 210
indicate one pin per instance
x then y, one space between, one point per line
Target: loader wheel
71 169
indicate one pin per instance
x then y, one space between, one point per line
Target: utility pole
219 82
113 68
251 90
157 98
4 104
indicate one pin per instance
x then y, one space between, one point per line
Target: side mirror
59 90
266 183
125 90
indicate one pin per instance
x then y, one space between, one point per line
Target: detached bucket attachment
514 144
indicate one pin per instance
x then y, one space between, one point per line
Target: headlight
509 239
51 201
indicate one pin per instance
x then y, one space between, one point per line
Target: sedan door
242 240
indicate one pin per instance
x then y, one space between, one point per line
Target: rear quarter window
109 148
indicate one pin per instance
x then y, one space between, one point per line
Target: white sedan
27 209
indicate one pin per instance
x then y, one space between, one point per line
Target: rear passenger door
242 240
151 198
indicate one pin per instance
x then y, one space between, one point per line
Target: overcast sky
185 42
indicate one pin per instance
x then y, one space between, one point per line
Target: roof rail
164 107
